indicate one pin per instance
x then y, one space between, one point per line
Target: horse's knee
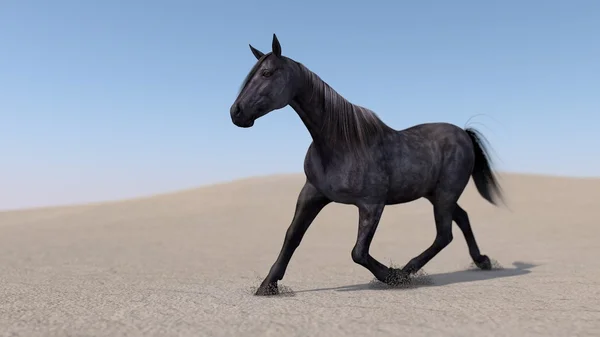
292 238
359 256
444 238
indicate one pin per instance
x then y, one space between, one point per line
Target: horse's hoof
397 277
268 289
483 263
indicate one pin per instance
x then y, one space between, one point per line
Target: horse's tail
483 175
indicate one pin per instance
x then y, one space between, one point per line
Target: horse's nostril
236 110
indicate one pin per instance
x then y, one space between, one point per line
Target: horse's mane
348 125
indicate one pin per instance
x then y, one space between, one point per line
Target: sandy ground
186 264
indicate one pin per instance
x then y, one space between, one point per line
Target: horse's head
268 86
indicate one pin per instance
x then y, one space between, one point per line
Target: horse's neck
311 118
310 103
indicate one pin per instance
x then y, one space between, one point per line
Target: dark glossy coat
357 159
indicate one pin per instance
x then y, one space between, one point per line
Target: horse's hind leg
462 221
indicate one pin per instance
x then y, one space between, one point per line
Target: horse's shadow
443 279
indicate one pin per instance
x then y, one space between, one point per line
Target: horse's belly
409 187
401 198
354 189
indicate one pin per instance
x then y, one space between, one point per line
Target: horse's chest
343 182
338 188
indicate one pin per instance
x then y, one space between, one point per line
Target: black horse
357 159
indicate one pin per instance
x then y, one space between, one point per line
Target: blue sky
112 99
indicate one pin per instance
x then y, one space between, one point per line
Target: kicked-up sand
186 264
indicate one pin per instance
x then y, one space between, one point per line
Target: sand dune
185 264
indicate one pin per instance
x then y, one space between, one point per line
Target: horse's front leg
310 203
369 216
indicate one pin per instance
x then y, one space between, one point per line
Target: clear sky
112 99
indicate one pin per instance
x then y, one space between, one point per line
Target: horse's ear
257 53
276 46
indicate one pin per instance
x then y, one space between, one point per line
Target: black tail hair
483 175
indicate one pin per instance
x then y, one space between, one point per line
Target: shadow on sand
436 280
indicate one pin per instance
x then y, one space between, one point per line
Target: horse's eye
267 73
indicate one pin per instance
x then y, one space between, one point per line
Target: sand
185 264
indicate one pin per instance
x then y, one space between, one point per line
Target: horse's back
436 131
439 138
424 154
